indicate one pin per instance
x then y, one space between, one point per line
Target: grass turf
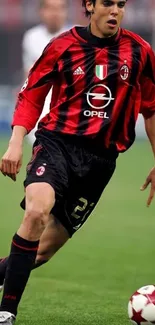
91 279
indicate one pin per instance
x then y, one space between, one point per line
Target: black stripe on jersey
89 65
136 59
112 80
69 91
148 71
48 78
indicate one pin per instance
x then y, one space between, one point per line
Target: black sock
38 264
20 262
3 266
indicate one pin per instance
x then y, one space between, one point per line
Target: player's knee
36 218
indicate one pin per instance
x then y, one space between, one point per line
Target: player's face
106 16
53 14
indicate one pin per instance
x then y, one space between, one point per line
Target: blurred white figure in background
53 16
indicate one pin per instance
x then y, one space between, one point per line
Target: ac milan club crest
124 72
101 71
40 171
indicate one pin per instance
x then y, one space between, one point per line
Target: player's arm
32 96
11 161
148 111
28 110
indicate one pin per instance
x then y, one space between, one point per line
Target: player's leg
40 198
45 179
52 239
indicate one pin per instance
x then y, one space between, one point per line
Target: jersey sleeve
31 98
148 86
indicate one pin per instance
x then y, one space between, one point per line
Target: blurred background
91 279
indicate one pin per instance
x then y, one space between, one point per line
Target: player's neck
97 33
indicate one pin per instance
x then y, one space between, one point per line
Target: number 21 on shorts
81 210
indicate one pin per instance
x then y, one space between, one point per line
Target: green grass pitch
91 279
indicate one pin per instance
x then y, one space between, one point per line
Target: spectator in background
136 18
53 16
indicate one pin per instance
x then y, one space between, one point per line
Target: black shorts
77 175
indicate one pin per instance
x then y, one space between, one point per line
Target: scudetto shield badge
101 71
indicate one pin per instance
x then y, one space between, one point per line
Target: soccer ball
141 306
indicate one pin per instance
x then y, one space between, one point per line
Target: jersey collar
84 34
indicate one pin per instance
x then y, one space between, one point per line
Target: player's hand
150 180
11 162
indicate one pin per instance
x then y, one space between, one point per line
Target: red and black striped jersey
99 87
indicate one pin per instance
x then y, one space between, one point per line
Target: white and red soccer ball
141 306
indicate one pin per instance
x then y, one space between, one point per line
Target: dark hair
87 13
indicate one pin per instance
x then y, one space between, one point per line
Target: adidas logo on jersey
78 71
